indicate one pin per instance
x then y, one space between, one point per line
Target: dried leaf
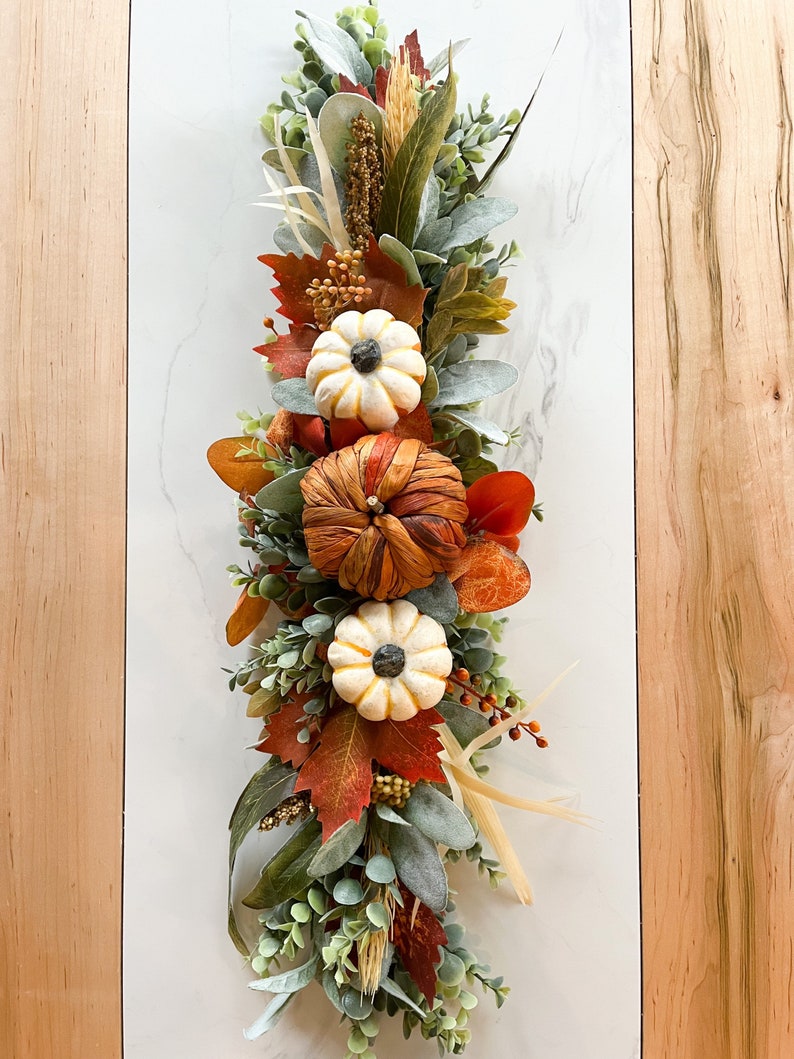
416 424
417 63
500 503
247 614
489 577
417 940
346 85
238 472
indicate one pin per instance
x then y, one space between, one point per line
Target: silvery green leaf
290 981
419 866
441 61
286 874
484 427
316 625
464 723
378 916
456 350
439 600
284 493
348 892
429 206
474 220
310 177
424 257
295 396
271 158
438 817
472 381
452 970
264 791
380 869
388 985
434 235
402 255
285 240
385 812
430 386
339 848
269 1017
355 1005
338 52
334 123
332 991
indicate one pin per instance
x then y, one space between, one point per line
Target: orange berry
466 700
491 699
515 733
534 727
462 674
542 743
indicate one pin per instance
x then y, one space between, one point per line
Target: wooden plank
713 85
63 89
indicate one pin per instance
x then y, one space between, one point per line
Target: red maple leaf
386 279
418 68
290 354
418 942
339 772
409 748
381 82
346 85
281 733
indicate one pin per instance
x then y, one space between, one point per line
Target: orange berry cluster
342 289
461 681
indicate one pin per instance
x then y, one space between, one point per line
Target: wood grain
713 84
62 464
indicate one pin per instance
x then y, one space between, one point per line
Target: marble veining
197 298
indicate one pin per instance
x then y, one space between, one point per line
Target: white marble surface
200 77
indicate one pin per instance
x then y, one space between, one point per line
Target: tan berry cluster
342 289
364 184
393 790
297 807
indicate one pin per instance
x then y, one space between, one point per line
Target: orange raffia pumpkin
384 516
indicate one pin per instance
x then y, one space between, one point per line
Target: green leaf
473 381
286 874
388 985
317 624
332 990
403 256
484 427
266 789
282 494
419 866
439 818
295 396
336 49
339 848
433 236
385 812
348 892
478 659
474 220
334 124
290 981
380 869
356 1006
378 916
464 723
273 159
439 600
430 386
413 164
454 284
269 1017
440 62
452 970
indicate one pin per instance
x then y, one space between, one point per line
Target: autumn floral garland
384 534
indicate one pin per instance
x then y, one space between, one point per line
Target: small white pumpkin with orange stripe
367 366
389 660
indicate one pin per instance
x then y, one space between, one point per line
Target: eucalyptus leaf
355 1005
348 892
337 850
290 981
430 386
474 220
269 1017
452 970
478 659
402 255
413 164
378 916
310 177
286 241
286 873
424 257
336 49
295 396
419 866
472 381
484 427
464 723
284 493
438 817
388 985
332 990
334 123
266 789
439 600
386 813
380 869
429 206
317 624
272 158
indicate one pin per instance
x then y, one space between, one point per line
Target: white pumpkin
389 660
367 366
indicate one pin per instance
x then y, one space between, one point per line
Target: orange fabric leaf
417 940
247 614
241 473
500 503
512 543
280 736
346 432
416 424
489 576
290 354
309 433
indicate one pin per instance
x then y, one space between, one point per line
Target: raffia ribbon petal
467 788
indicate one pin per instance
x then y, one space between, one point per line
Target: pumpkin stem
375 505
